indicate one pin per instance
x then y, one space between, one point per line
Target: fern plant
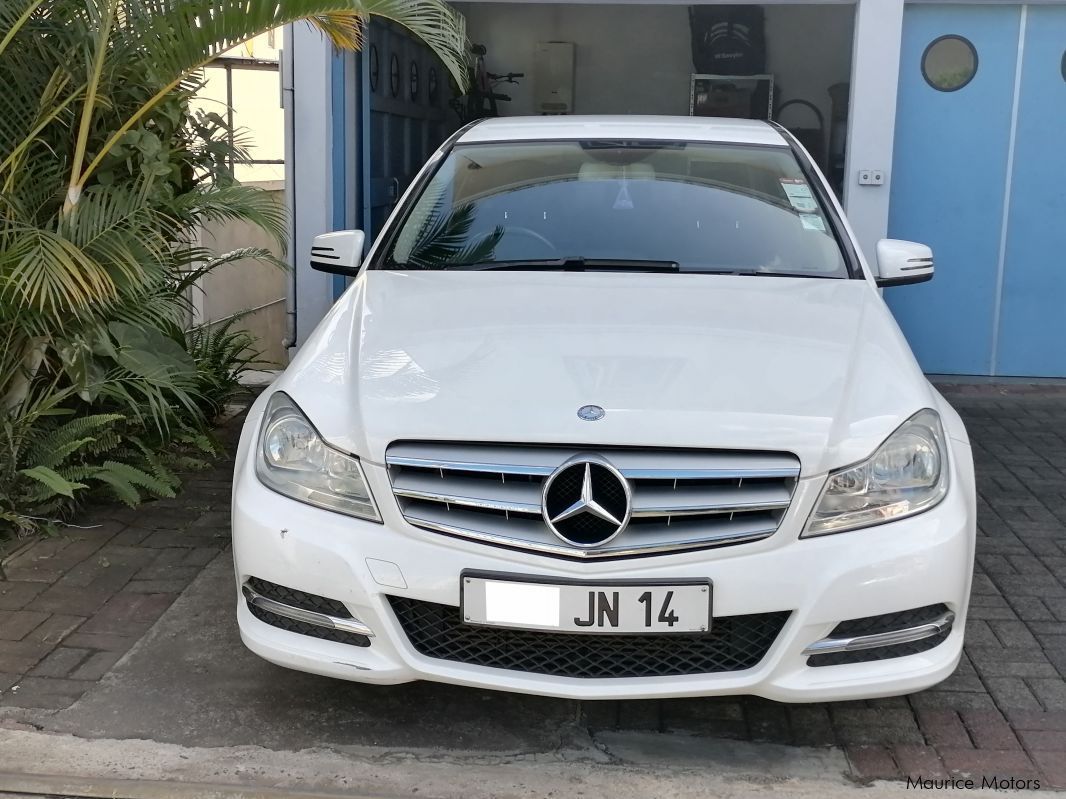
222 355
52 457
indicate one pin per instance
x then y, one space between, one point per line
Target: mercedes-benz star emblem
586 501
591 413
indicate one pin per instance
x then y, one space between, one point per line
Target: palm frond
205 262
445 239
439 25
48 273
228 203
13 18
175 37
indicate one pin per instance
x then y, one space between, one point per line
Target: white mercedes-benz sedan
612 408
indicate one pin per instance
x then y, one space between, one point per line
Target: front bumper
924 560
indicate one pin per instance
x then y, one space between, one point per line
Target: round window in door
375 68
949 63
394 75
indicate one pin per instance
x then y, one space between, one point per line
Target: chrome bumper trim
905 636
309 616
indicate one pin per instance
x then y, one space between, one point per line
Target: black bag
728 40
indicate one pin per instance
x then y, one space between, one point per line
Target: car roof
625 127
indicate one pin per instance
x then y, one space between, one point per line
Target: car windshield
619 206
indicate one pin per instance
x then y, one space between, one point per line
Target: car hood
810 366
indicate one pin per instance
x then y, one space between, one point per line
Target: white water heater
553 78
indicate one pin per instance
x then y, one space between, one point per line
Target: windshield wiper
757 273
576 265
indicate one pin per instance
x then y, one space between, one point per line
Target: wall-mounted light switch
871 177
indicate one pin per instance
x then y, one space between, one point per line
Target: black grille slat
734 643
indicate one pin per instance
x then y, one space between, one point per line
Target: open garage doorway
789 62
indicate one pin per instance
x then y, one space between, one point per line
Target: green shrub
106 175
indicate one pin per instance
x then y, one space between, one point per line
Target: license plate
586 607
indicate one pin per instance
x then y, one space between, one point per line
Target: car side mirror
900 263
339 253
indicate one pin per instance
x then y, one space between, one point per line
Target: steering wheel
528 233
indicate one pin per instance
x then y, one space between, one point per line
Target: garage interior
653 59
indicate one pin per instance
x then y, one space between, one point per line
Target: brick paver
72 606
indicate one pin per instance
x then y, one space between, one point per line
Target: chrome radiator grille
681 499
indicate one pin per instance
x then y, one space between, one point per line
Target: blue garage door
980 175
1032 325
405 115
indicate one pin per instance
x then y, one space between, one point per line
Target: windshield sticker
813 222
799 194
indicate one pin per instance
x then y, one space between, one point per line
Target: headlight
293 460
906 475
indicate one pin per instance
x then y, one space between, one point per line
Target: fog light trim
937 626
353 626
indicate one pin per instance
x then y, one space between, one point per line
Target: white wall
629 59
872 123
247 285
638 58
308 172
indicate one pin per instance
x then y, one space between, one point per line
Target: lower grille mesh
733 644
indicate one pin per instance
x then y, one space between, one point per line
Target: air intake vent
734 643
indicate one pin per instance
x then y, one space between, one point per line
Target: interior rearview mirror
900 263
338 253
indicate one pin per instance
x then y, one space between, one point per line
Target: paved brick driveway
71 606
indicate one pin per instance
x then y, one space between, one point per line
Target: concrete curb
142 769
92 788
